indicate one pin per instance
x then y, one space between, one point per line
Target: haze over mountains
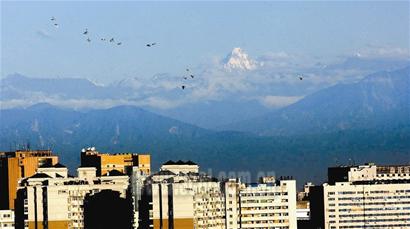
367 120
232 89
380 100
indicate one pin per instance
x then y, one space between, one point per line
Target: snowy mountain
239 60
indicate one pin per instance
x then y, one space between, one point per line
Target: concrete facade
17 165
270 205
373 197
57 201
6 219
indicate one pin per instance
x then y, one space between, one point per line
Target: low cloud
383 52
43 34
154 102
273 101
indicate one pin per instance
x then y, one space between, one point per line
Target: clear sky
188 34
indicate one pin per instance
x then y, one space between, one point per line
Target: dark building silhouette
107 209
317 214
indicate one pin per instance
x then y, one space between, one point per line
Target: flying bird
300 77
151 44
55 25
112 40
192 76
88 39
53 18
85 32
119 43
187 69
185 77
103 39
183 87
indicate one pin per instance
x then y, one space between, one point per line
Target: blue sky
188 34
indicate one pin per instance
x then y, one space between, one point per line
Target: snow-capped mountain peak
239 60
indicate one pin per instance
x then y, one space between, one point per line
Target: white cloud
43 34
388 52
155 102
273 101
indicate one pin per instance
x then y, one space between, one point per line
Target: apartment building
365 196
52 199
105 162
264 205
182 198
17 165
6 219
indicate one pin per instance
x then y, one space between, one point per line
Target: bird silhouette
112 40
55 25
102 39
85 32
151 44
192 76
300 77
183 87
53 18
88 39
119 43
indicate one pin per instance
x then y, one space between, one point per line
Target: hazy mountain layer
381 100
131 129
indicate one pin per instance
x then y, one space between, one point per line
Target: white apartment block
373 197
183 198
266 205
6 219
53 200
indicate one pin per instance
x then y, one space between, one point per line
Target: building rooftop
49 165
164 173
40 175
114 173
179 162
27 153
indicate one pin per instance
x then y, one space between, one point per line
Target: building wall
17 165
59 202
6 219
266 206
348 205
105 162
187 205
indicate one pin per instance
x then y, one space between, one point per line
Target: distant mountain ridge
380 100
132 129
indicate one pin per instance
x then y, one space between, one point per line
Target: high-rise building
178 196
52 199
6 219
16 165
137 179
365 196
270 204
105 162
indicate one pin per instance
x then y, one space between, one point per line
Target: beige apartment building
178 196
270 204
6 219
52 199
367 196
16 165
105 162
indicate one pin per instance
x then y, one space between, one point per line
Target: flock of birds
189 75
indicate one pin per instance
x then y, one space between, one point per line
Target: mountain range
363 121
380 100
230 90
